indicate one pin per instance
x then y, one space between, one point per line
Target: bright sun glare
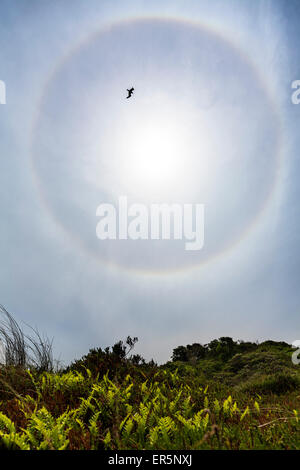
167 154
155 158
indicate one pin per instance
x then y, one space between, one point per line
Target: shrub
274 384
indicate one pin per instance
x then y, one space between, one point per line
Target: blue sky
213 86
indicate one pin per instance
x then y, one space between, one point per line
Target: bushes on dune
272 384
222 395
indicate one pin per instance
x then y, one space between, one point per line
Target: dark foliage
224 349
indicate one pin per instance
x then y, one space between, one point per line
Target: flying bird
130 92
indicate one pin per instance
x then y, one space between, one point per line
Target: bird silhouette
130 92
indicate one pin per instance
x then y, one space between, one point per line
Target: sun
156 150
154 158
160 155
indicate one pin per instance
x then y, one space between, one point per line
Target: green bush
274 384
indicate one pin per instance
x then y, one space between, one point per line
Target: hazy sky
211 122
